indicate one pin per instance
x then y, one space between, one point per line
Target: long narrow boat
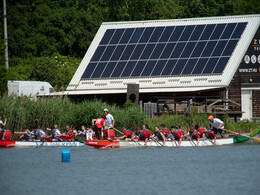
38 143
121 143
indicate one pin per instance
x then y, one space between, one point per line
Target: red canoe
103 143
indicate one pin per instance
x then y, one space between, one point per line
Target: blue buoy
65 155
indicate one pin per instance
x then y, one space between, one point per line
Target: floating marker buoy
65 155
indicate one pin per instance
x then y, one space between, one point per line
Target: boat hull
103 143
185 143
37 143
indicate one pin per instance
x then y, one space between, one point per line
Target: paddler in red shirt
99 123
209 134
200 131
182 132
137 133
165 130
128 134
158 135
145 134
193 133
177 135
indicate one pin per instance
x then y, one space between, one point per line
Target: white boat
38 143
151 143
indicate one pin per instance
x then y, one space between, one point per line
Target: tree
3 72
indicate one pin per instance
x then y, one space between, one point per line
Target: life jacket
38 134
193 135
199 132
143 135
166 132
130 132
53 134
70 135
207 134
28 135
158 134
175 134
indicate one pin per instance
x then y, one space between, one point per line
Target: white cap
105 110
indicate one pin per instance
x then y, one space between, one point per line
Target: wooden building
211 63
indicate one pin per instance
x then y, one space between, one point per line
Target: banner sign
251 60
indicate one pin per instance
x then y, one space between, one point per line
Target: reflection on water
230 169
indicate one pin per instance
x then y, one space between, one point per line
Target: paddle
136 142
173 141
156 141
81 140
254 138
117 130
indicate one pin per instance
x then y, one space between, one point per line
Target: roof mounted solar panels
181 50
190 52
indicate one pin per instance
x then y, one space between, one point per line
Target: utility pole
5 36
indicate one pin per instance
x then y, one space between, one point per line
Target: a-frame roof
165 55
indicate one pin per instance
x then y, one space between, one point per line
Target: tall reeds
62 111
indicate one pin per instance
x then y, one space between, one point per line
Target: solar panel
164 51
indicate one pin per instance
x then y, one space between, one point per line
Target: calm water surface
191 170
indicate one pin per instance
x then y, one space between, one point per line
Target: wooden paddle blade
255 138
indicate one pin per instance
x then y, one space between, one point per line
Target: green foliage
57 70
3 80
45 112
198 118
128 104
3 72
42 27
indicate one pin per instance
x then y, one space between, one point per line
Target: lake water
188 170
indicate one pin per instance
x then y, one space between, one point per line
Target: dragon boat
9 143
154 143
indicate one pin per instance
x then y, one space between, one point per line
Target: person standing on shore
217 125
110 122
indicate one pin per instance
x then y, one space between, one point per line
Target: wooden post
133 93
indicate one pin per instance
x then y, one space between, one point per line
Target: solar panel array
164 51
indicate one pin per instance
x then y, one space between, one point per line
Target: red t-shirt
99 122
196 134
146 133
182 132
166 131
201 131
212 135
178 136
128 133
